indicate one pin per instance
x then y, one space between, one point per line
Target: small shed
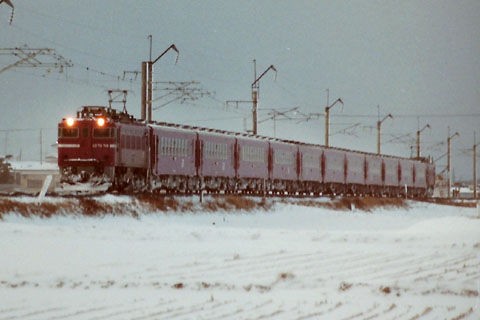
29 176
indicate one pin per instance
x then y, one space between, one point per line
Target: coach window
169 146
208 153
163 146
184 149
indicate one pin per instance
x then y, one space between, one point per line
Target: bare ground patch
155 203
356 203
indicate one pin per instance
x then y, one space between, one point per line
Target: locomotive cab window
103 132
68 132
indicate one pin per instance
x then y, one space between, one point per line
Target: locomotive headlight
70 122
100 122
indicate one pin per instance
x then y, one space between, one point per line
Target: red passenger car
391 175
406 181
420 178
217 163
355 174
333 169
252 163
373 174
430 178
310 175
284 169
173 158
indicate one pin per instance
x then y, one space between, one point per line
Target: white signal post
449 160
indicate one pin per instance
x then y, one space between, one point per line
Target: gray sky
418 60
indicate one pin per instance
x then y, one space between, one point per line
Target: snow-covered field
291 262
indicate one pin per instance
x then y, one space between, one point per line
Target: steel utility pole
147 80
418 139
449 160
379 129
41 145
475 144
255 89
9 3
327 117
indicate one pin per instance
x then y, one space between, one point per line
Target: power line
430 115
35 58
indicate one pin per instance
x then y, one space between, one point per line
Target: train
104 146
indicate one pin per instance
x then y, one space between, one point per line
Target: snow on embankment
142 204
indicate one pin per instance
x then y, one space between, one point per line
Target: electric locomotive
87 145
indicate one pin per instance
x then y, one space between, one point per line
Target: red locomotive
102 146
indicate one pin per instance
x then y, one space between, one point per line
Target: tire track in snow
128 311
408 266
29 314
198 271
352 266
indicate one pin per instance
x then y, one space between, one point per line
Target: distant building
29 176
463 192
441 187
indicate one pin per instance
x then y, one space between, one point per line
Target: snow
292 262
33 165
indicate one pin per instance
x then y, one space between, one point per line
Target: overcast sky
418 60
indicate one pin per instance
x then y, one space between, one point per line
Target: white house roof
33 166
